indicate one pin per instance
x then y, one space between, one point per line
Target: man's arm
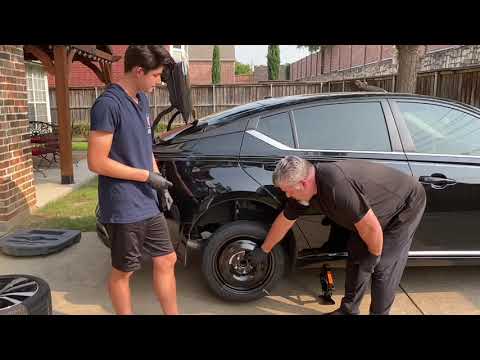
279 228
99 144
371 232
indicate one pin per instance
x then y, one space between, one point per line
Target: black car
221 168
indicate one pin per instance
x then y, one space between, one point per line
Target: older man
381 206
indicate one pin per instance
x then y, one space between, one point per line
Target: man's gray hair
291 170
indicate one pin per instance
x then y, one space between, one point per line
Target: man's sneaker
337 312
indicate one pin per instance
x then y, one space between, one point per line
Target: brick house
200 64
23 97
17 189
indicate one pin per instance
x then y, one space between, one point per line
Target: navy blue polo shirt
125 201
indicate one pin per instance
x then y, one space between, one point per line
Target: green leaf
216 67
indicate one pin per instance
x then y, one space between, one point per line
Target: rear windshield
213 119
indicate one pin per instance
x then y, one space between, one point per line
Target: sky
257 54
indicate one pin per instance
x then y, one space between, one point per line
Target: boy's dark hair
148 57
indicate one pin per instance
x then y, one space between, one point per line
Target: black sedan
221 168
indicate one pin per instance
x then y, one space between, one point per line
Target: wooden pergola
57 60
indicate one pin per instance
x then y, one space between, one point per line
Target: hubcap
236 272
15 290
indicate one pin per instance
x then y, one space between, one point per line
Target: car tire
24 295
236 280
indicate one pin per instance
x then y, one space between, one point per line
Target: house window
178 53
37 88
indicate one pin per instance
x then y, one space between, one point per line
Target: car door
442 144
359 129
354 129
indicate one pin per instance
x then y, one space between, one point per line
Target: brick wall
17 189
358 55
201 72
308 66
345 57
373 53
244 79
387 52
327 60
228 72
260 73
357 61
335 58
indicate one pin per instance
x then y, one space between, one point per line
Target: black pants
385 271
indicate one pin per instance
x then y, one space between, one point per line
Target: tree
216 78
273 61
408 57
242 69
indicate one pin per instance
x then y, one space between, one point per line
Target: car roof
285 101
291 100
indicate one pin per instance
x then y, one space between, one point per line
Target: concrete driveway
77 277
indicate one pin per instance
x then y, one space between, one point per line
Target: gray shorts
129 241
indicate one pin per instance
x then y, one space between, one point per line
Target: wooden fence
460 84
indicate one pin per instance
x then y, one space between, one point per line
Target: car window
437 129
277 127
348 126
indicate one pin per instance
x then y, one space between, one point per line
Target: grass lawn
75 211
79 145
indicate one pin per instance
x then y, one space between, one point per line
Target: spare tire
226 270
24 295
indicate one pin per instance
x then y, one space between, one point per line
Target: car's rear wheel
227 271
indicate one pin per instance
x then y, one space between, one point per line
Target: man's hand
257 256
157 181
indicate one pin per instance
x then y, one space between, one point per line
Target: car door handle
269 167
437 181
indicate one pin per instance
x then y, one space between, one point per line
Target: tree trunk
408 56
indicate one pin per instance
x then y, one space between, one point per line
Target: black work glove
165 199
257 256
157 181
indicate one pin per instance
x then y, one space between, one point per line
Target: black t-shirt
347 189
